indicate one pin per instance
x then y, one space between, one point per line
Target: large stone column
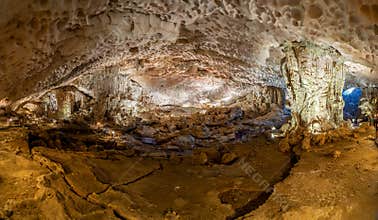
315 80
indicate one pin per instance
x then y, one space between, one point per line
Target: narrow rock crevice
118 215
72 188
262 197
115 186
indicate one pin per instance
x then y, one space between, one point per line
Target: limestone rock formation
177 109
315 81
44 43
118 61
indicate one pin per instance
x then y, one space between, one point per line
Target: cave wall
44 43
370 92
111 97
315 81
369 102
112 94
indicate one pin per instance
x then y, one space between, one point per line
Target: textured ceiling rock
45 43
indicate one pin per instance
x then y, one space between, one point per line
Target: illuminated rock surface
44 43
156 109
315 81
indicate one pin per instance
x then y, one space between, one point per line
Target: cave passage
176 110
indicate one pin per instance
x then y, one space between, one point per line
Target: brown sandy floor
53 184
323 187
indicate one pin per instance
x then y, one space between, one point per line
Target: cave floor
45 183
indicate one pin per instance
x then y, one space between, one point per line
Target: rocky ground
155 130
334 181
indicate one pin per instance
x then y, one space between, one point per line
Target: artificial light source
349 91
226 99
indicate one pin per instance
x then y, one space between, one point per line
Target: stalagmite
315 80
188 109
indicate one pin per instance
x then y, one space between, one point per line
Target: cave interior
205 109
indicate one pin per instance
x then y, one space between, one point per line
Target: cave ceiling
173 45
